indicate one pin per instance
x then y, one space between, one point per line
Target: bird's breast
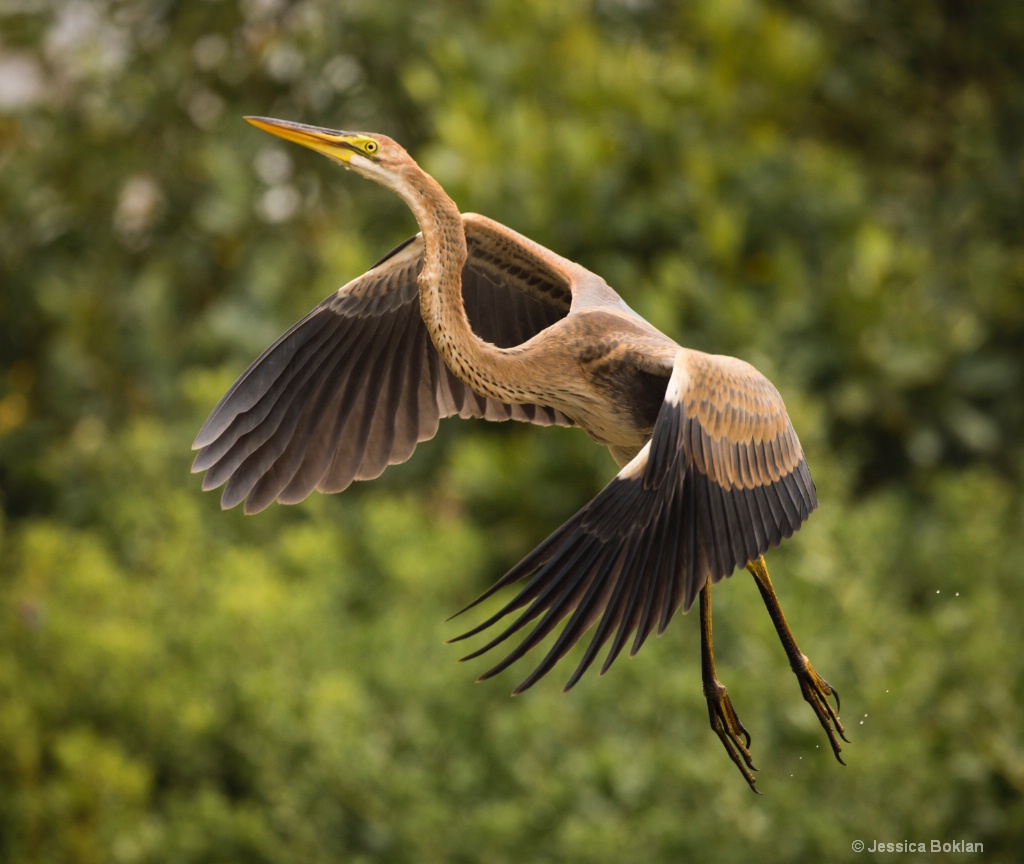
625 399
619 399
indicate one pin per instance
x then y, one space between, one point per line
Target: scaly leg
816 689
724 722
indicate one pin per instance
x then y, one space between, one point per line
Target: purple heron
470 318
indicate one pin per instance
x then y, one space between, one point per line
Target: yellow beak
328 142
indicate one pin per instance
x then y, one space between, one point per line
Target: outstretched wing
722 479
357 383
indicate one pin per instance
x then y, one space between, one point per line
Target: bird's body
471 318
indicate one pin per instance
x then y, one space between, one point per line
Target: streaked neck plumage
489 371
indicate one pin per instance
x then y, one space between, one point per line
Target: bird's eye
371 146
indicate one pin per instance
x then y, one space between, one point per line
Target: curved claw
725 723
816 691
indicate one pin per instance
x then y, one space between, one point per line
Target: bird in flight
470 318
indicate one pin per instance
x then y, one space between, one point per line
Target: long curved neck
486 369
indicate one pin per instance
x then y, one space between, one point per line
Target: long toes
734 737
816 691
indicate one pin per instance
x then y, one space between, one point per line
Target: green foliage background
830 189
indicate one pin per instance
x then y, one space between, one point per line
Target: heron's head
375 157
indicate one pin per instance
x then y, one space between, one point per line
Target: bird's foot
730 731
816 691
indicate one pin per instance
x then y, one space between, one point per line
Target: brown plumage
471 318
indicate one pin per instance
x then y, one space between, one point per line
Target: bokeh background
829 189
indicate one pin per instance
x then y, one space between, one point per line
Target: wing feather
356 384
304 436
722 479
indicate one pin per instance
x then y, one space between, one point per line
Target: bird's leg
816 689
724 722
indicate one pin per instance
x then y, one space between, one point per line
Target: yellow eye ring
371 147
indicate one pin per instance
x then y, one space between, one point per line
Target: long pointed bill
328 142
